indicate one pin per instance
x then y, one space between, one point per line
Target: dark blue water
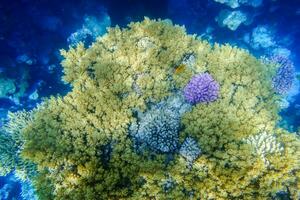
32 32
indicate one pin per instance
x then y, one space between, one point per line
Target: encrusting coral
84 146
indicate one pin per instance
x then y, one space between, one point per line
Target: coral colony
155 113
201 88
285 74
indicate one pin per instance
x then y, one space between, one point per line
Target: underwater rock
231 19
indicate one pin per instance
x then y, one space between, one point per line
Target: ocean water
33 32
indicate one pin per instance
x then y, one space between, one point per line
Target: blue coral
285 75
157 129
190 149
201 88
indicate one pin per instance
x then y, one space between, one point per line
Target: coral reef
201 88
128 90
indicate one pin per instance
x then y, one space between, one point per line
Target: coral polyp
132 128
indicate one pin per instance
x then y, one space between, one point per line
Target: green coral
81 142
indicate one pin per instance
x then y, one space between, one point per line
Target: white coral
145 43
264 144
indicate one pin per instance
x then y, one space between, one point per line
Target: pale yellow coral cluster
81 141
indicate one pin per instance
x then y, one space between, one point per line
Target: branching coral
190 150
201 88
285 75
128 90
12 141
158 130
264 144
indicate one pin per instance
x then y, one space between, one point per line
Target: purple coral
283 80
201 88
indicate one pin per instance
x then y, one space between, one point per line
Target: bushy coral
190 150
158 129
263 144
83 144
12 141
285 75
202 88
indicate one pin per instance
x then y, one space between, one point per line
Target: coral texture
129 90
285 75
11 141
264 144
158 129
201 88
190 149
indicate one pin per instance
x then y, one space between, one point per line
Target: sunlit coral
125 92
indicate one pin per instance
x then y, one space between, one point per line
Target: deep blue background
40 28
